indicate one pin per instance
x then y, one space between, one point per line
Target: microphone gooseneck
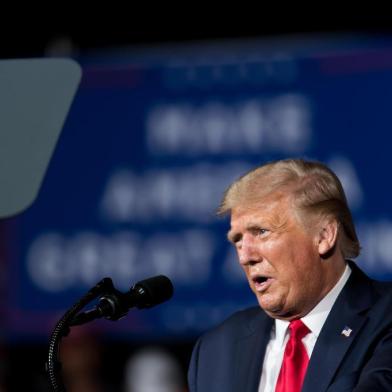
112 305
115 305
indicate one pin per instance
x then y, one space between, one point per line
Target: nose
248 253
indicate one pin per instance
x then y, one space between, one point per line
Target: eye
261 231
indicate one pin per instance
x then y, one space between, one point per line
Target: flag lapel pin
346 331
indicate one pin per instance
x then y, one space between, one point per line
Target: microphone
115 305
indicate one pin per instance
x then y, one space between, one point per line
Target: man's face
280 258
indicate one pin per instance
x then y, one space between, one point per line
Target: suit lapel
348 313
250 350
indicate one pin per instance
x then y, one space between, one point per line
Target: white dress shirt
314 320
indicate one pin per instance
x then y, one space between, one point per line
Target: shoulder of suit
238 323
380 287
244 315
381 296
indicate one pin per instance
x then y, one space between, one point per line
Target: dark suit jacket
230 357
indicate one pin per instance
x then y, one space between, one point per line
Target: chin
270 309
276 310
268 301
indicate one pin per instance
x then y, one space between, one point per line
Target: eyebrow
231 235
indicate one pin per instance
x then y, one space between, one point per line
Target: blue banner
153 139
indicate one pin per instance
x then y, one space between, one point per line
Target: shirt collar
315 319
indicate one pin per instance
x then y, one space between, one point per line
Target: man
321 324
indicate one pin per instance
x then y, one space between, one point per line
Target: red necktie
295 360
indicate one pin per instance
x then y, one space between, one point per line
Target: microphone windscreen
153 291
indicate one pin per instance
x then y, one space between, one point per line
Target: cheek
303 279
272 247
295 270
245 268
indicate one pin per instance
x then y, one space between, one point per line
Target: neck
333 272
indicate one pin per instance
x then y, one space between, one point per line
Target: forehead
274 210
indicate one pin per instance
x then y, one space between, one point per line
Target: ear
328 234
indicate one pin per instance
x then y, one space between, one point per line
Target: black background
28 37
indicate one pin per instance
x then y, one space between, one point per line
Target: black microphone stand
112 305
62 329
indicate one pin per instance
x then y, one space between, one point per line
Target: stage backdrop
152 140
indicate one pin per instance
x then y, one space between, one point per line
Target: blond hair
315 190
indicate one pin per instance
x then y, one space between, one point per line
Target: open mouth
261 283
260 279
